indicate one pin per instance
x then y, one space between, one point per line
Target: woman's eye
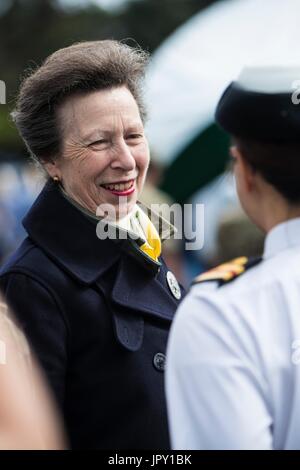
98 142
134 136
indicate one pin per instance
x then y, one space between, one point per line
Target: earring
56 179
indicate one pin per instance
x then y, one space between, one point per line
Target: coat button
159 361
173 285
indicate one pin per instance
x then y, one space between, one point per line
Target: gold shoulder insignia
227 271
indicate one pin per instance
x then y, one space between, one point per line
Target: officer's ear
244 172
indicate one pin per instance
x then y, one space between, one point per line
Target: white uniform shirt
233 359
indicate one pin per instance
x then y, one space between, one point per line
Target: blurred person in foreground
88 284
27 416
233 375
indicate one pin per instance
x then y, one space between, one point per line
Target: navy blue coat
97 314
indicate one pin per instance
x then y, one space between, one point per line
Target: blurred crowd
19 185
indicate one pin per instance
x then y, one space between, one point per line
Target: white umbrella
193 66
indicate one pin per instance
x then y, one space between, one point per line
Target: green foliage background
32 29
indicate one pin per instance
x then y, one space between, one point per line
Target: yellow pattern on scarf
152 247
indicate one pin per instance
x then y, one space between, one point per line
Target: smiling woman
101 163
97 311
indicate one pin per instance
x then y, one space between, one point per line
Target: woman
27 416
233 376
95 299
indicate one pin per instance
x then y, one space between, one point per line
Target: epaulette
227 272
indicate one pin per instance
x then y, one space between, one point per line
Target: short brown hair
80 68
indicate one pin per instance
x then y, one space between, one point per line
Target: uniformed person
97 309
233 375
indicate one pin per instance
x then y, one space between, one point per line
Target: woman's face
105 153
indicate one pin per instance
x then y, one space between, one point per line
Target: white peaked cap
263 104
270 78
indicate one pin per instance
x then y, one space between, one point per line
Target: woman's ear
52 169
243 170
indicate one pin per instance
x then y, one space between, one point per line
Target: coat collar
68 236
132 292
163 227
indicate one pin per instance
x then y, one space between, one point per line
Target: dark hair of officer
278 162
78 69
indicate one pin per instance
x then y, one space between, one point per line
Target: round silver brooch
173 285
